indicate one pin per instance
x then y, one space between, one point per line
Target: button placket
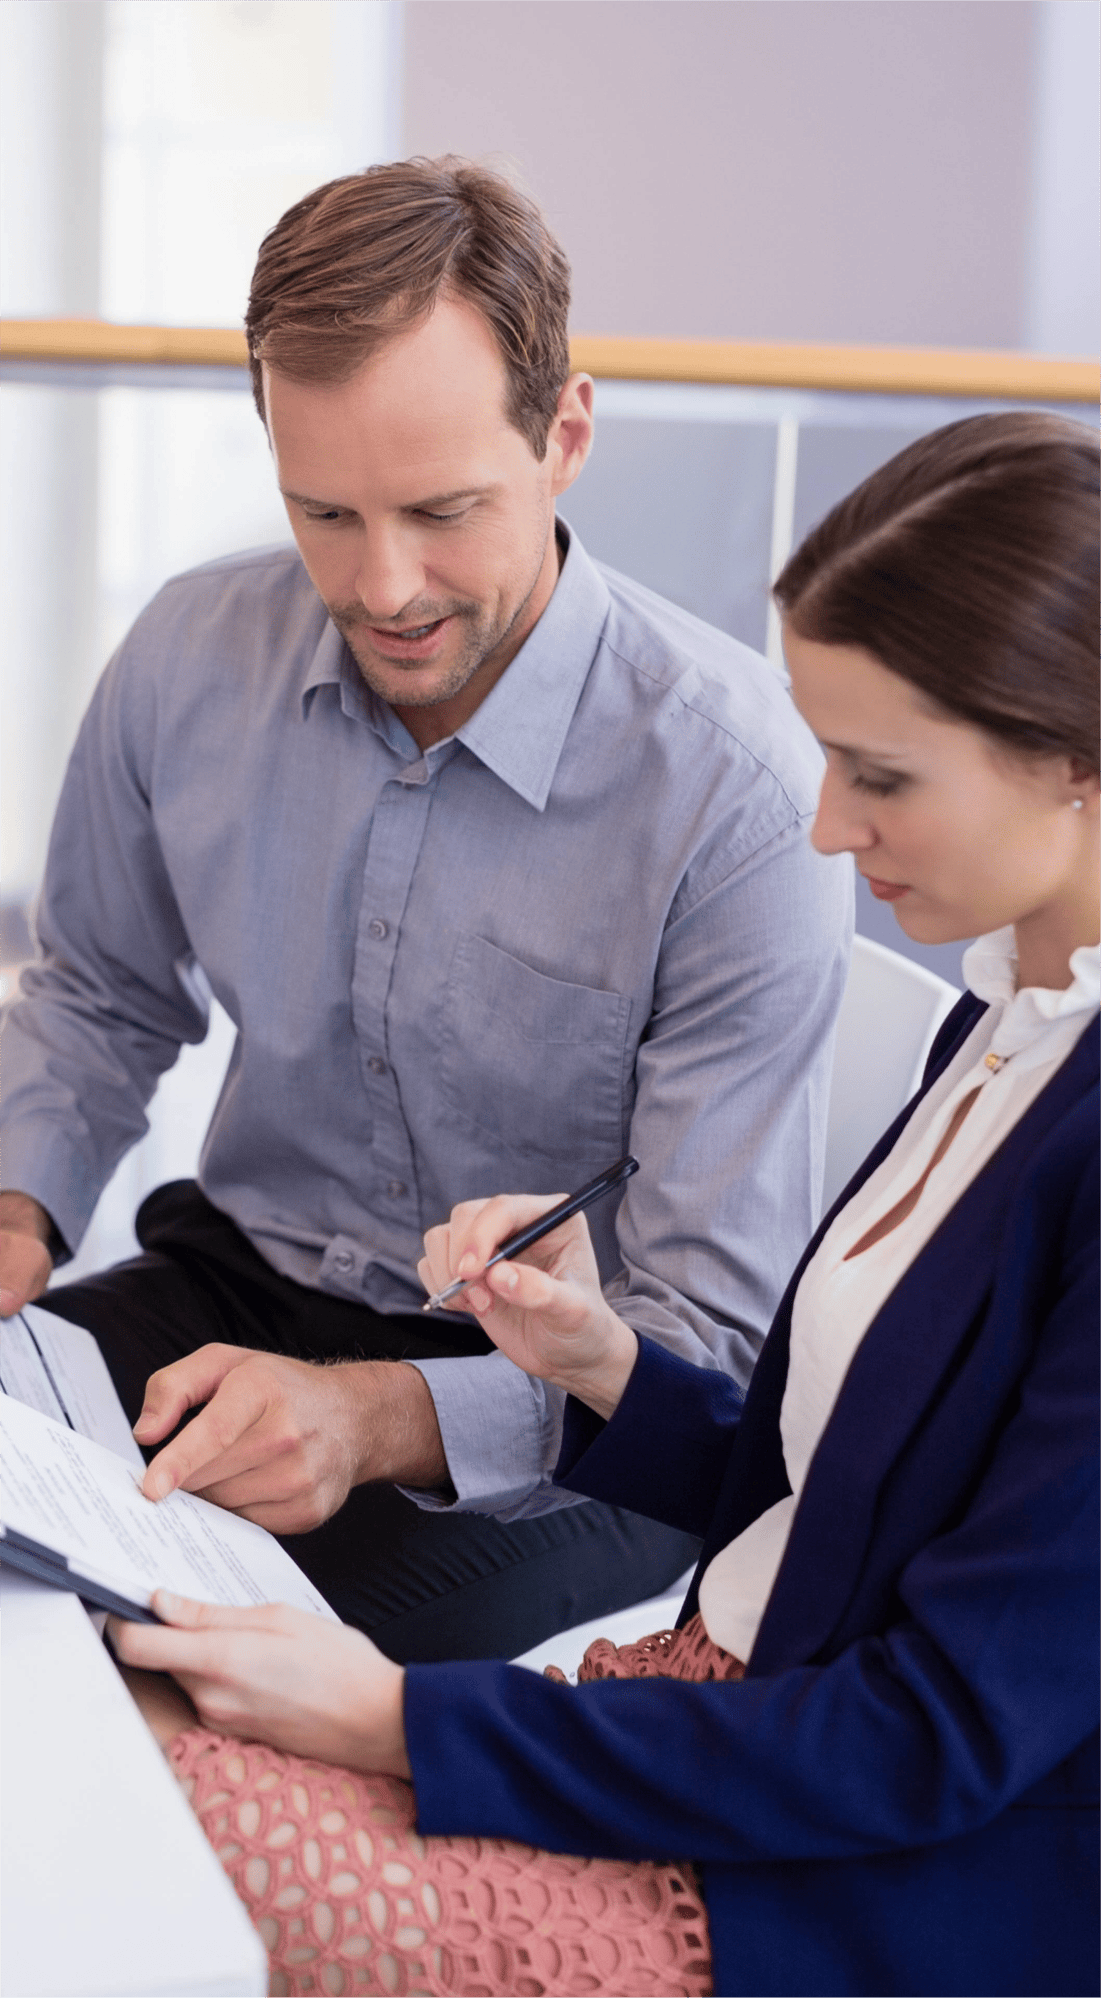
342 1266
397 831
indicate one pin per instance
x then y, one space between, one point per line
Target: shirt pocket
533 1062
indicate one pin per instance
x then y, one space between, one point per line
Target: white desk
109 1889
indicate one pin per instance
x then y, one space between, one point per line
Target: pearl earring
1076 804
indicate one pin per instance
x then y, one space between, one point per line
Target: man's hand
545 1309
278 1675
283 1441
25 1260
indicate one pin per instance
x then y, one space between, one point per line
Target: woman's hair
365 257
969 566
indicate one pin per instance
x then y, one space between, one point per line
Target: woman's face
960 836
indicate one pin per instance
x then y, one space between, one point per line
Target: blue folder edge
18 1550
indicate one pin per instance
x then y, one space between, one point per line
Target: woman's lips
886 891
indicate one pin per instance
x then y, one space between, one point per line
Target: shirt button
376 927
343 1260
376 1065
395 1188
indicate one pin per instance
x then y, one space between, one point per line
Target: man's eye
427 513
330 513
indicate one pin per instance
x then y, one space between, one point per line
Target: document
72 1512
147 1906
58 1368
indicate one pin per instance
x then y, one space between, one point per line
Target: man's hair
366 257
969 565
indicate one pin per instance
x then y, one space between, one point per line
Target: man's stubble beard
482 641
384 679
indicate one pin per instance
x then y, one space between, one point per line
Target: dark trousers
424 1585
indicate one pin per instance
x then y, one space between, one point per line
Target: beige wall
851 170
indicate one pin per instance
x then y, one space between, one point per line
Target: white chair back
889 1016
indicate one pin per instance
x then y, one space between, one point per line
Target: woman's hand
277 1675
545 1309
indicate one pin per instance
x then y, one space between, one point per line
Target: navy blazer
900 1796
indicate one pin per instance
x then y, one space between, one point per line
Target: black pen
586 1196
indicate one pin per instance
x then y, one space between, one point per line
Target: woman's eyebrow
865 752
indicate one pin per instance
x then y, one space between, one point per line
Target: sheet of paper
108 1884
82 1500
58 1368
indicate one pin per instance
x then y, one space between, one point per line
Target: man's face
422 515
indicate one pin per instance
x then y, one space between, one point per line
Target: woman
900 1522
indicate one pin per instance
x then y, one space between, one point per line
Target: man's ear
571 433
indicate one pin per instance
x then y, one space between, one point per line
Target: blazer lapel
757 1477
895 1374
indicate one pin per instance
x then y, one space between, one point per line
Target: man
498 865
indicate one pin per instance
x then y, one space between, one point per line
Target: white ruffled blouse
1012 1052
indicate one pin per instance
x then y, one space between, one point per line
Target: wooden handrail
861 370
775 364
99 342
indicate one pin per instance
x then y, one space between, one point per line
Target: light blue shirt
589 922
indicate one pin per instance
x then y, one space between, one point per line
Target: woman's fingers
463 1245
196 1640
531 1314
544 1309
210 1661
188 1614
435 1267
557 1324
478 1238
159 1647
185 1613
305 1683
526 1287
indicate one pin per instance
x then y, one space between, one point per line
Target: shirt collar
326 666
519 729
990 971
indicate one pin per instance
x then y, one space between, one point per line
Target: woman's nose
841 822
